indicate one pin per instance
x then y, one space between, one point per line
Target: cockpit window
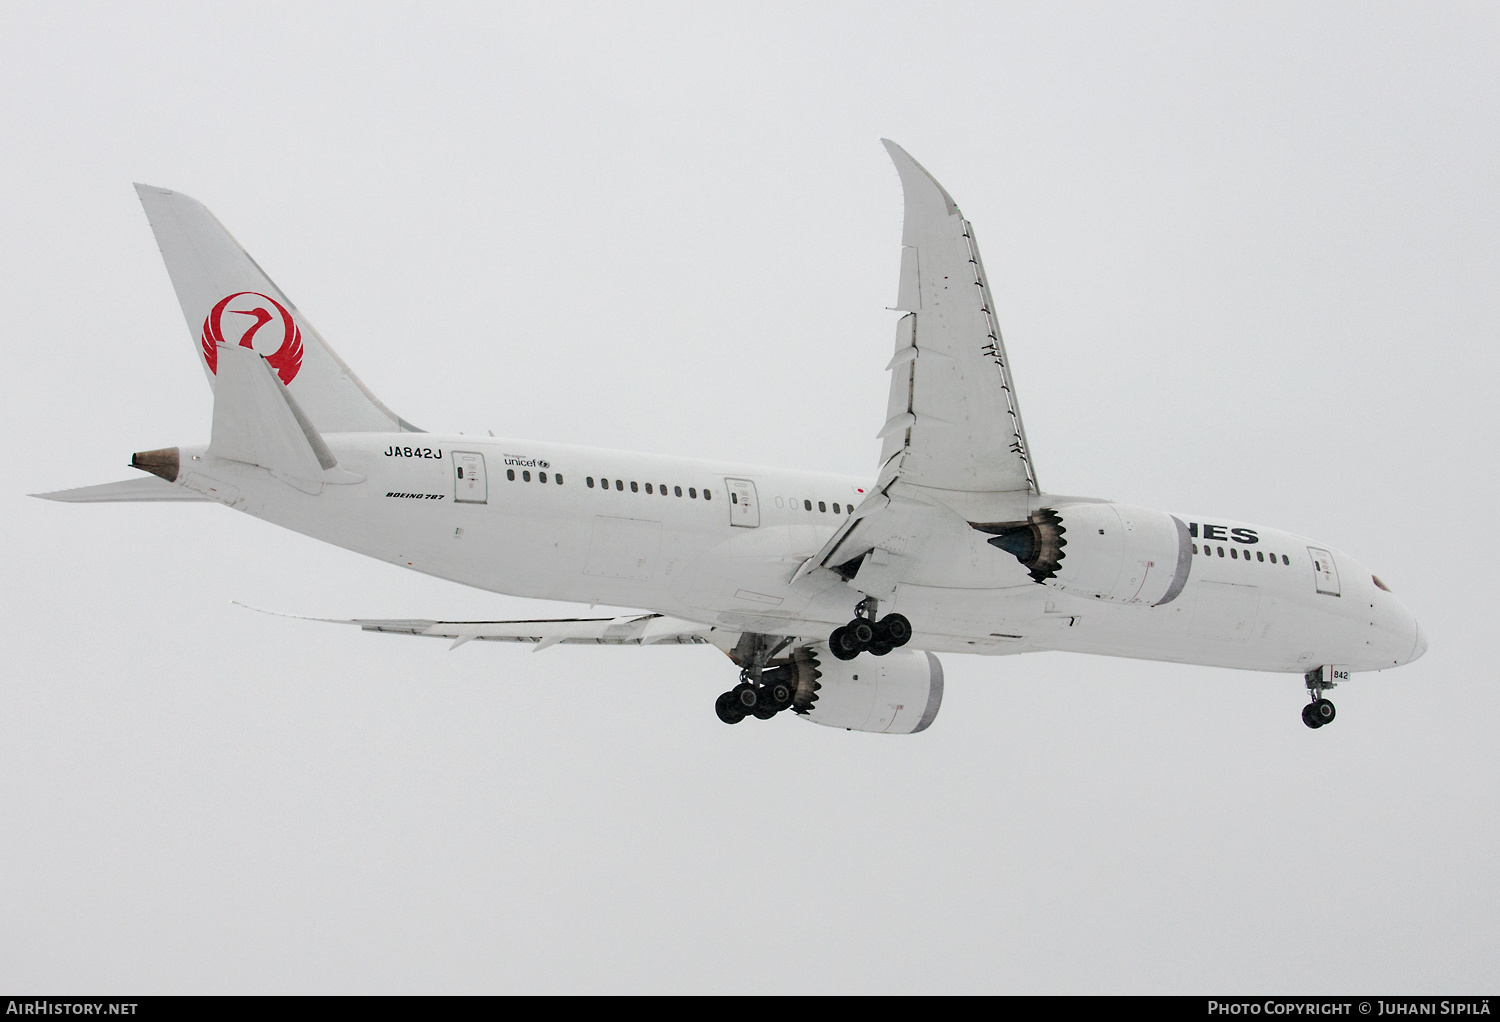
1379 584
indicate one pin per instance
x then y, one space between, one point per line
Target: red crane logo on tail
247 313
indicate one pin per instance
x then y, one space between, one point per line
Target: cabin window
1234 553
807 505
708 494
526 475
1284 559
677 490
541 477
589 482
619 484
557 479
822 507
633 487
663 488
693 492
780 502
648 488
1195 548
1221 551
1260 555
836 508
734 498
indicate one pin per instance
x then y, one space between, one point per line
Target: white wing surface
953 422
629 630
954 449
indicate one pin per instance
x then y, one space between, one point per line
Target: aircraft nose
1420 645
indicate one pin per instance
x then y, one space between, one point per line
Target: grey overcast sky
1246 261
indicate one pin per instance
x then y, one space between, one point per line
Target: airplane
831 594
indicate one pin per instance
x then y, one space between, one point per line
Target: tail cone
164 463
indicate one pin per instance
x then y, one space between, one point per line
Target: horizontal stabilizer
257 421
126 491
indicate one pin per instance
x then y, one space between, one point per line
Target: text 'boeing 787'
830 594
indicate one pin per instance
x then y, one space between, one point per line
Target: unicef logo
239 319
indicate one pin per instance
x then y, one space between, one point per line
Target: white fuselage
716 558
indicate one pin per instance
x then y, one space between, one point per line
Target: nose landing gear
1317 713
1320 711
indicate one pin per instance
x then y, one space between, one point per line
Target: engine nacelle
1109 552
896 694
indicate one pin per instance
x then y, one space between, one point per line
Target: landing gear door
744 509
469 484
1324 571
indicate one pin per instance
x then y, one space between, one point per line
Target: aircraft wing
628 630
952 422
954 450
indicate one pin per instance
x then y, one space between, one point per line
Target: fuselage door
744 509
1324 571
469 485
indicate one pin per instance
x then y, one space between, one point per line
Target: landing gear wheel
861 632
779 695
878 648
1321 710
895 630
728 709
841 646
1317 713
746 698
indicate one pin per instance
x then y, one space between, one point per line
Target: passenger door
1324 571
744 509
469 483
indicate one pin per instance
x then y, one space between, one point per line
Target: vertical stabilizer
228 300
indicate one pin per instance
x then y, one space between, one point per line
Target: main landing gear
1320 711
867 635
749 700
763 691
